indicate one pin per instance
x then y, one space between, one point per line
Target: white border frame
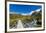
38 28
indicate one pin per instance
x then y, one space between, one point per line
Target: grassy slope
15 17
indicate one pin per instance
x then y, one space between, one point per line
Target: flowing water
30 24
26 25
19 24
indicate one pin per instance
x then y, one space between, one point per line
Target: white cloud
24 14
12 12
31 12
38 10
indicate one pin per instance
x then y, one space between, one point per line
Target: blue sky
23 8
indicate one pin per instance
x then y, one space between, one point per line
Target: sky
18 8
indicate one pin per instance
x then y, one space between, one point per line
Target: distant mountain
31 12
37 15
26 14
